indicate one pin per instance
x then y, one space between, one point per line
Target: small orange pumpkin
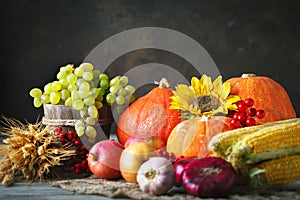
149 115
267 94
191 137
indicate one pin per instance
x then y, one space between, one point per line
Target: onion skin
179 167
208 177
156 176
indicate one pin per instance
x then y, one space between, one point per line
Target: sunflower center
206 103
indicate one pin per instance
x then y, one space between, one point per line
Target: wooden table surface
42 191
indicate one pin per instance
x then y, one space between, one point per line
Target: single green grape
37 102
69 101
78 104
103 77
83 112
45 98
35 93
110 98
83 93
79 123
75 95
61 75
56 85
124 81
90 121
101 91
88 76
54 97
89 100
80 130
85 86
67 69
98 104
65 94
92 111
90 132
79 71
122 92
120 100
114 81
80 81
72 87
96 74
48 88
104 84
130 89
86 66
94 92
63 82
99 98
115 88
72 78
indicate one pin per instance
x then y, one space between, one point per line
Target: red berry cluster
164 153
246 114
71 137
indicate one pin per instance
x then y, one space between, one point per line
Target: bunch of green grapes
85 89
76 87
120 93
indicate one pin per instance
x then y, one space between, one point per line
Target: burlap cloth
123 189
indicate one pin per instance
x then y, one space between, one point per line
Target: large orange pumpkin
191 137
267 94
149 115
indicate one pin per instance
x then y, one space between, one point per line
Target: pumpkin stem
163 83
248 75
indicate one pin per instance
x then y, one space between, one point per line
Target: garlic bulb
156 176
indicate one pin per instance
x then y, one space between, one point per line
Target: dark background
37 37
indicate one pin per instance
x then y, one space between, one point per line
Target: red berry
82 148
72 169
250 121
59 129
235 123
62 140
77 171
251 112
249 102
242 117
260 114
242 106
70 137
77 142
235 115
63 134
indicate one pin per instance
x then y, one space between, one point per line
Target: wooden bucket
66 117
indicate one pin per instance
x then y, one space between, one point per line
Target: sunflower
204 97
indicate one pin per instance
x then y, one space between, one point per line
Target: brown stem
94 156
248 75
163 83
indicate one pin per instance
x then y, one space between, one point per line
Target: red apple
154 140
104 159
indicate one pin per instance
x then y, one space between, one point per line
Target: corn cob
221 144
269 139
280 171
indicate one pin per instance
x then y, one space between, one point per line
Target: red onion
208 177
179 167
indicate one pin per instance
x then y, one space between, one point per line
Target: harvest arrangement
206 137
